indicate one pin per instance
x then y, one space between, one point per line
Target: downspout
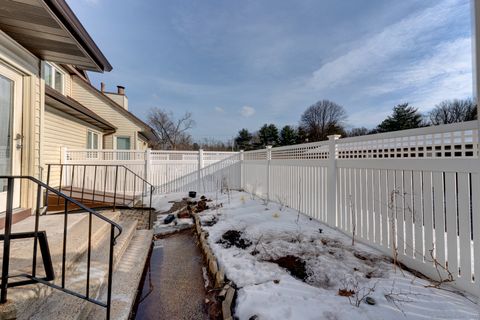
476 83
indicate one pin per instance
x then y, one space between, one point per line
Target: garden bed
287 266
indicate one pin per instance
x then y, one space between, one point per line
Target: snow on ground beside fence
270 292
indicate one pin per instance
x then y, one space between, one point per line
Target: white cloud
445 74
219 110
247 111
374 52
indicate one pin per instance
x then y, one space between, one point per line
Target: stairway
38 301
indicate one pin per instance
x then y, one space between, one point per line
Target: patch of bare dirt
234 238
294 265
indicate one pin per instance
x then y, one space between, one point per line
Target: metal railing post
115 188
110 271
6 241
332 181
150 219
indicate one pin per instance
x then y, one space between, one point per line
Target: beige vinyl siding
82 92
141 145
62 130
68 83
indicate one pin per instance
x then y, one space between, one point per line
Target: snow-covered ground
269 291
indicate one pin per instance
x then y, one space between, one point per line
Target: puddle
173 285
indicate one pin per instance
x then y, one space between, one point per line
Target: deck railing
39 237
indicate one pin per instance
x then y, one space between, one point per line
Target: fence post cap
269 147
334 136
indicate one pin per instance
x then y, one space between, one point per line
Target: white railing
103 155
412 193
169 169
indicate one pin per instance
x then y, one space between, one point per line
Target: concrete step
17 216
28 298
127 277
60 305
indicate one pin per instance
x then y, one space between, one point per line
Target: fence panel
412 194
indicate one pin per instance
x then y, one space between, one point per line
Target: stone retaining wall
228 292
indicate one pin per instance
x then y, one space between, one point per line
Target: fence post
148 163
269 158
199 169
332 181
242 170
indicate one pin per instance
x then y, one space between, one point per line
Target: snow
270 292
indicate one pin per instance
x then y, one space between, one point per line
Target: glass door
10 132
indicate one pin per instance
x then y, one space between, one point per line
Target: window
123 143
92 140
53 77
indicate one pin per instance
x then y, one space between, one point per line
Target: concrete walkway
174 285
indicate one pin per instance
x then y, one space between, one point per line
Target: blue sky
237 64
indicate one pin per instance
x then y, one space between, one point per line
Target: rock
169 219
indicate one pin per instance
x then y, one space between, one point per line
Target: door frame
16 121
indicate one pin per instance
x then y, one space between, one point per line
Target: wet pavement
174 287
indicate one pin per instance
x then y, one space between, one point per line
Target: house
48 103
32 32
131 133
47 100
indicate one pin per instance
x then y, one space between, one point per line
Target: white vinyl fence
414 194
169 171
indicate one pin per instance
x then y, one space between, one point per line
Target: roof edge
65 14
78 107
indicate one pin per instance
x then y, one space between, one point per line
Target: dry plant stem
353 217
299 200
358 293
393 227
438 268
281 201
397 298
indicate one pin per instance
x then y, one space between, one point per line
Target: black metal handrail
4 285
144 185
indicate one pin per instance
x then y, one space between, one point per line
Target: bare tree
172 132
451 111
322 119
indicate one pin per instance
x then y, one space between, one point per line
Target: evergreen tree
288 136
403 117
268 135
244 140
302 135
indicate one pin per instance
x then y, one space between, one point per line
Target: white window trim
100 138
54 68
121 136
